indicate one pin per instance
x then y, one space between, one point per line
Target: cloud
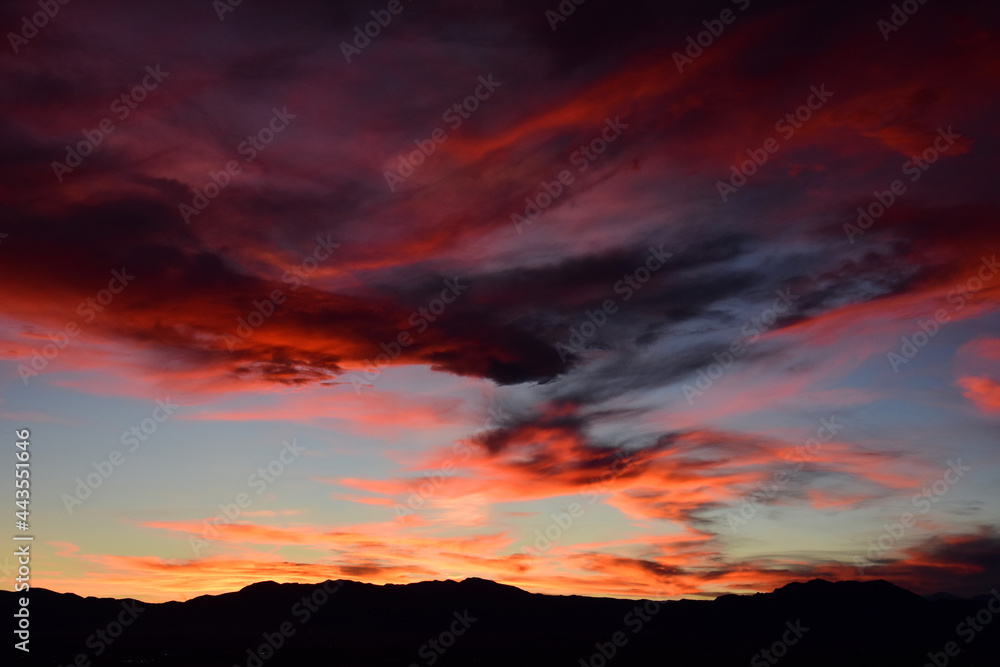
984 392
308 239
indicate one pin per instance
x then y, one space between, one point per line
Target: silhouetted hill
482 623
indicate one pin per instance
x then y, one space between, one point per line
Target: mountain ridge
481 622
791 586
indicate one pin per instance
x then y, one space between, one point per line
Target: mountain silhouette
483 623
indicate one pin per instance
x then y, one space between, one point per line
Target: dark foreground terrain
477 622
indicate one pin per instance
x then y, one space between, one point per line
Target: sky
620 299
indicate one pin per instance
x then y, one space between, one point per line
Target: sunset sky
637 337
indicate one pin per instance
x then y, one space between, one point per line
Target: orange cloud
984 392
